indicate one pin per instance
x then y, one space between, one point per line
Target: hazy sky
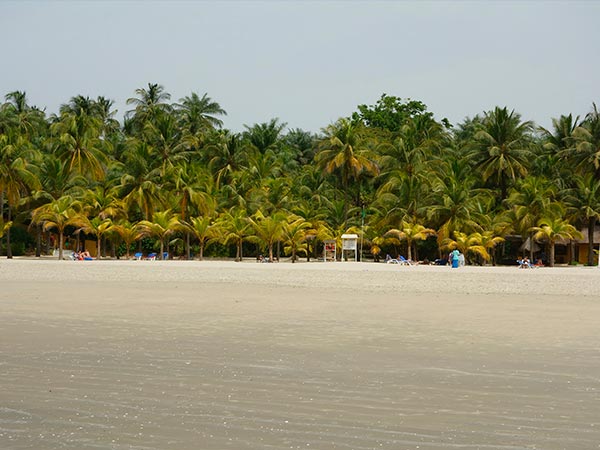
308 63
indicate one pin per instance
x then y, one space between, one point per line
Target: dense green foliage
170 178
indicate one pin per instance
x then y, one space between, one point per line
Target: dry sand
218 355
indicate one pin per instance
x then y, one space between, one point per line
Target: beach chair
390 260
138 256
404 261
165 255
151 257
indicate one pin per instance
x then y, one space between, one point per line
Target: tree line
171 177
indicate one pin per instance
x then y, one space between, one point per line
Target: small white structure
329 251
349 246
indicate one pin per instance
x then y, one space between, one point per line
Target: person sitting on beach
525 264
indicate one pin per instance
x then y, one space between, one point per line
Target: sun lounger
151 257
405 262
138 256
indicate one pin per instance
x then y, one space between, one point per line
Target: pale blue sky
308 63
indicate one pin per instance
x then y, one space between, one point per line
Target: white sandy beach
214 355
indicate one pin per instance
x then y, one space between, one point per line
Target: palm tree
233 226
268 229
501 148
455 203
204 230
57 215
129 233
532 199
587 143
489 241
226 156
584 200
467 244
162 225
98 227
344 150
76 140
264 136
199 113
140 184
164 138
552 230
295 232
16 175
187 184
4 226
148 104
411 232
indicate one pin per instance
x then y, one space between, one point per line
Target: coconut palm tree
140 185
98 227
234 226
267 229
204 230
4 226
587 144
164 137
16 175
129 233
295 232
454 202
500 149
58 215
264 136
467 244
489 241
162 225
344 150
198 114
148 104
76 140
584 201
225 156
532 199
411 232
553 229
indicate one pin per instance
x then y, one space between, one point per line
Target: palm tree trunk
409 252
201 250
8 246
591 226
531 246
187 246
61 239
38 243
162 249
48 239
552 246
98 247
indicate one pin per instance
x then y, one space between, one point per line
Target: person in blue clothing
455 256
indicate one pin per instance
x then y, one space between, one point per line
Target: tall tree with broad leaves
501 148
344 151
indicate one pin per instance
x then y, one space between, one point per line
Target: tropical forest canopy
170 177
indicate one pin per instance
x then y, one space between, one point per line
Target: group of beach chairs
150 257
401 260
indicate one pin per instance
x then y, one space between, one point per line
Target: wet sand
217 355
